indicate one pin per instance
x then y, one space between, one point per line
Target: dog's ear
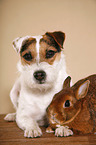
58 36
18 42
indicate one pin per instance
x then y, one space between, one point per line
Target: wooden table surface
10 134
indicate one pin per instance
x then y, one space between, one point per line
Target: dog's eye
50 54
28 56
67 104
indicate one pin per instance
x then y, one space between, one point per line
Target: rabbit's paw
49 130
63 131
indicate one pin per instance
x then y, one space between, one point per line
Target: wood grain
10 134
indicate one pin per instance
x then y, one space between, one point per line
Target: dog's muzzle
40 76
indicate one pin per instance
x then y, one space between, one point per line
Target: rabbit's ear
82 90
67 82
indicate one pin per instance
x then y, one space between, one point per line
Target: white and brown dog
43 71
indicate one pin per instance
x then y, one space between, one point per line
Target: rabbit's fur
75 106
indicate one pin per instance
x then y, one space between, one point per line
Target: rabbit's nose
53 115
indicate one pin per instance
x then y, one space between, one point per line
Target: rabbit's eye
67 104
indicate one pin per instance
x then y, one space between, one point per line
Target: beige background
77 18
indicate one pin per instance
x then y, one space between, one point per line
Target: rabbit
73 109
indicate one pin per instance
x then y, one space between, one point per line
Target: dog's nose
40 76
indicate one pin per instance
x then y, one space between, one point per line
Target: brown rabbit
73 109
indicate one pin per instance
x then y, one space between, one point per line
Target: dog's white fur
31 99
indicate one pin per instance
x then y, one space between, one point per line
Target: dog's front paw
31 133
10 117
63 131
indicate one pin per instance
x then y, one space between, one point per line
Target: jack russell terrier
43 71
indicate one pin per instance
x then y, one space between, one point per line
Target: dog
43 71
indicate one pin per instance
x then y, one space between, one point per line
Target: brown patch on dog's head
28 51
50 46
